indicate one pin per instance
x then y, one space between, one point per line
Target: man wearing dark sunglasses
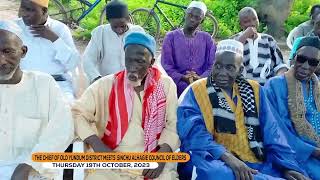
295 97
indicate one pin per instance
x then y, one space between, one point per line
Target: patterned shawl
297 107
225 119
120 110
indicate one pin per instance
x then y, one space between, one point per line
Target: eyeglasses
312 62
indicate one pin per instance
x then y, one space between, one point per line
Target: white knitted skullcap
230 45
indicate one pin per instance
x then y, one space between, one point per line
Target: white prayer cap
230 45
199 5
11 27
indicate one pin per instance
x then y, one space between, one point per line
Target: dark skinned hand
44 32
21 172
249 33
194 75
155 173
97 145
294 175
239 168
187 78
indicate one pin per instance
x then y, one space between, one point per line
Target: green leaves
225 11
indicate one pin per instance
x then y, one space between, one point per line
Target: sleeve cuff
61 48
217 153
205 74
176 77
86 133
308 150
171 139
280 66
83 129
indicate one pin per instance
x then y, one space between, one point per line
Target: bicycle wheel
210 25
57 11
148 20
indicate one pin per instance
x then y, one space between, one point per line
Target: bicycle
150 21
76 10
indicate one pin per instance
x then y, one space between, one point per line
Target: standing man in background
104 54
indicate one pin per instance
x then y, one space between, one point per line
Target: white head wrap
199 5
230 45
11 27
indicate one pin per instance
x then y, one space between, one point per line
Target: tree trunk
274 14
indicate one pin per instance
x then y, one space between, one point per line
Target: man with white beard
131 111
34 116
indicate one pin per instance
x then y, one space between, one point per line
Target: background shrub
225 11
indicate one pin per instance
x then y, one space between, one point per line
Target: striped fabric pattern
268 51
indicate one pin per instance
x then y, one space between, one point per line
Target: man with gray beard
131 111
34 116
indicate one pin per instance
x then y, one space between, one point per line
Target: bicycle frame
156 6
91 7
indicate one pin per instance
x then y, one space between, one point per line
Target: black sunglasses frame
302 59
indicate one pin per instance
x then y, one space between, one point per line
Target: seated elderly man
225 123
34 116
133 110
295 96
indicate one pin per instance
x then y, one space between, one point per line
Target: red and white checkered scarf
120 110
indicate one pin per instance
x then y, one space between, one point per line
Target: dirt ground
9 8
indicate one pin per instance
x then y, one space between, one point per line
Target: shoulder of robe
57 26
166 79
103 83
137 28
199 85
40 76
97 30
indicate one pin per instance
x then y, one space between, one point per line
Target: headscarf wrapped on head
11 27
117 9
300 42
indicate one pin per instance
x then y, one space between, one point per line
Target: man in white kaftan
34 115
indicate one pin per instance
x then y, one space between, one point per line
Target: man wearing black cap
296 97
104 54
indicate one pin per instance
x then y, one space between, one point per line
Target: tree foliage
225 11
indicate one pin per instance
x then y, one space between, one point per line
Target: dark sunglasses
302 59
